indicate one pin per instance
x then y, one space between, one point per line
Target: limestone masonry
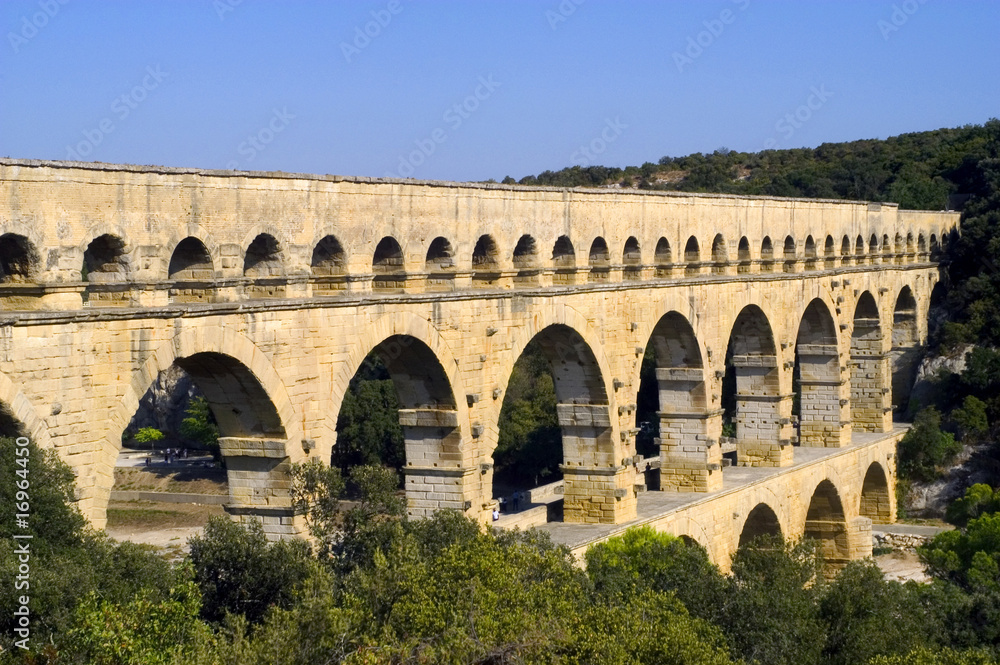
270 289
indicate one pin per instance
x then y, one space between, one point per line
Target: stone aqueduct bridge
270 290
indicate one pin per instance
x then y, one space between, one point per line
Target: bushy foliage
238 571
978 499
926 447
148 435
368 430
199 425
69 561
968 557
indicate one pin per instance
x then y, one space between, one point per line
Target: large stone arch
258 424
824 396
19 408
826 522
869 369
762 520
435 424
690 459
598 484
906 347
762 418
877 496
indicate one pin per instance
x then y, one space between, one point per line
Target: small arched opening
692 257
766 255
263 267
192 271
631 260
720 255
485 262
810 253
440 265
19 260
663 258
599 261
328 267
788 254
525 261
106 268
387 266
743 257
563 261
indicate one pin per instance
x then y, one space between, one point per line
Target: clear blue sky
190 82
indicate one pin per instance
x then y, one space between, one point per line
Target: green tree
148 435
867 616
925 447
240 572
145 630
199 425
368 429
978 499
969 557
529 446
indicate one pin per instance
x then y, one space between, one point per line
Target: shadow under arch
906 348
826 523
876 496
256 420
762 521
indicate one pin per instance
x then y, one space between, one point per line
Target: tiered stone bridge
270 290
